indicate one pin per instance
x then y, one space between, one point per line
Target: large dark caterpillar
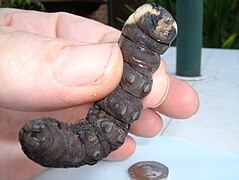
145 36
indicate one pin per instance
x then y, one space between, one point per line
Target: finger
148 125
181 101
126 150
42 74
60 25
84 29
159 89
14 162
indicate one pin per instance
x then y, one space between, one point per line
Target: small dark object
51 143
148 170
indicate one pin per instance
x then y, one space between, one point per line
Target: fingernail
80 65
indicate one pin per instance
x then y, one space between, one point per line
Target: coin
148 170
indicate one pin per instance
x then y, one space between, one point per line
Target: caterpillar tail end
45 141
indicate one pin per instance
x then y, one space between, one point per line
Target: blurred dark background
104 11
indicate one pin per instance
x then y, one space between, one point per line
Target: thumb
41 74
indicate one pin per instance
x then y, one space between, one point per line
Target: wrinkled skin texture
52 143
181 101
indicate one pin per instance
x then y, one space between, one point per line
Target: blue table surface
184 160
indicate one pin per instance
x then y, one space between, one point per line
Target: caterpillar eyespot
146 35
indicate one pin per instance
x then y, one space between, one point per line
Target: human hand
57 64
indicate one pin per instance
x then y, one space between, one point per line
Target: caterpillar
146 35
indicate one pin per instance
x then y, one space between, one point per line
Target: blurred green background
220 20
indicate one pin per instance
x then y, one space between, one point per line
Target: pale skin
44 71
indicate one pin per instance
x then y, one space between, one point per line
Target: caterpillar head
156 22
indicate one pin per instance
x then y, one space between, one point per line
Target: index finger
60 25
